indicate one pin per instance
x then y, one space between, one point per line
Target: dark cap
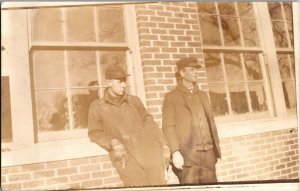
115 72
187 62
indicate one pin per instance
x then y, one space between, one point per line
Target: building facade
53 55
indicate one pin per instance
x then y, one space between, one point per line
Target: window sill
82 147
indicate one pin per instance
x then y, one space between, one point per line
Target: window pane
82 68
213 67
279 34
218 101
252 66
111 58
284 67
210 30
250 33
47 24
207 8
238 98
288 10
289 94
257 96
275 10
48 68
233 67
80 24
111 25
245 9
230 31
291 33
81 100
52 110
226 8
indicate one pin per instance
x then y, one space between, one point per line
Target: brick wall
265 156
167 31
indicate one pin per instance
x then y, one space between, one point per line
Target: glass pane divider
232 49
285 25
290 67
95 45
239 25
220 24
228 99
246 83
69 96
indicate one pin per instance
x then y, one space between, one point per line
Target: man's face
117 86
189 74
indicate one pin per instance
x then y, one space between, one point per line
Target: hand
177 160
166 155
118 149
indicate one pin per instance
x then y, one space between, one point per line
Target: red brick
156 7
293 176
153 110
194 16
258 141
158 31
146 24
151 62
281 166
93 167
43 174
184 38
242 175
102 174
151 95
154 88
152 75
19 177
164 69
274 174
148 69
288 142
79 161
66 171
166 25
290 164
143 31
146 56
194 44
266 146
3 179
165 81
175 20
177 44
160 43
284 148
165 13
96 183
68 186
283 137
57 164
145 43
142 18
261 165
58 180
99 159
141 6
289 153
149 81
162 56
286 171
154 102
149 49
174 9
191 21
33 167
294 147
182 26
169 50
283 177
186 50
145 12
181 4
181 15
112 180
79 177
157 19
169 75
278 155
34 184
10 170
170 38
13 186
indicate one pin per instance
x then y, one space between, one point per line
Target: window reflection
238 98
233 67
275 10
47 24
284 67
112 29
52 111
218 101
213 67
287 6
80 25
250 33
252 66
226 8
257 97
230 31
207 7
245 9
289 94
210 30
279 34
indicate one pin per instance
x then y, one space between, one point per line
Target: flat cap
187 62
115 72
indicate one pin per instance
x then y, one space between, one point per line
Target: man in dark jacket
189 127
120 124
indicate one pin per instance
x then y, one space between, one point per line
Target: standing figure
119 123
189 127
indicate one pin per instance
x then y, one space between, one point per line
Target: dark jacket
178 123
127 121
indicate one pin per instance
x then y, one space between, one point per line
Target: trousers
135 175
197 174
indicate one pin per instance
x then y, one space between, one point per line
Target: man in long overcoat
120 124
189 127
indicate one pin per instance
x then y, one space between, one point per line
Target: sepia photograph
153 95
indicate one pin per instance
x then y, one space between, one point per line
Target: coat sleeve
168 123
96 132
149 121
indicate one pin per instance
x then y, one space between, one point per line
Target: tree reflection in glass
213 67
210 30
279 34
230 31
250 33
252 66
217 95
257 97
233 67
238 98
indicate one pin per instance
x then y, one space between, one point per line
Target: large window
282 24
233 59
71 49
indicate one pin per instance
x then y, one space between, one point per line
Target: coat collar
114 100
182 88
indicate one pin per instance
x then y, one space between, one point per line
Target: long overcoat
178 123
